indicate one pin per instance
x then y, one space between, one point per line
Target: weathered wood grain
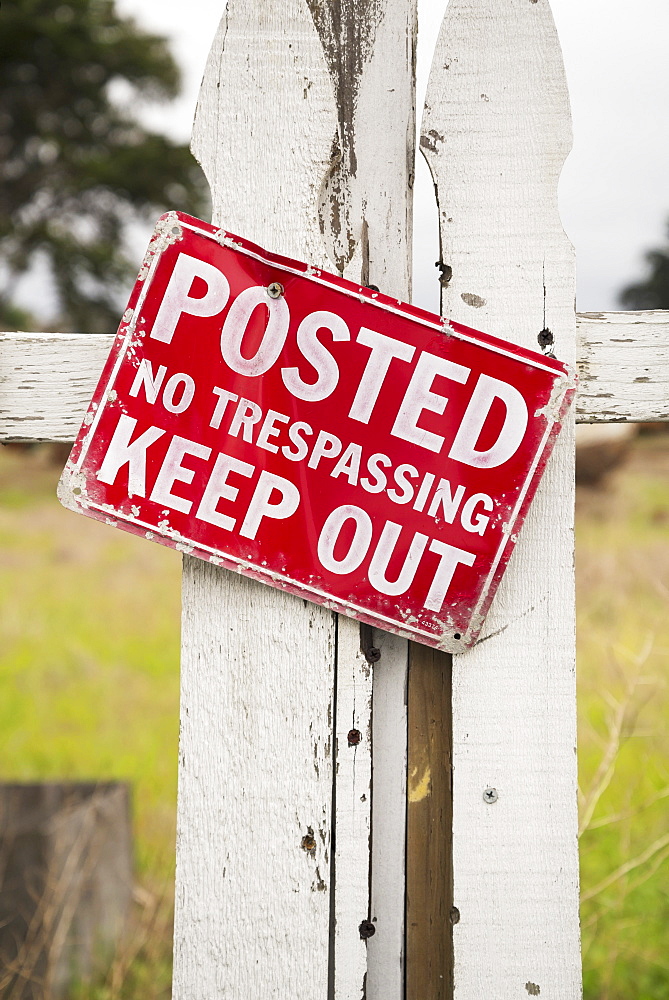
429 900
386 960
366 213
353 798
255 772
46 383
251 134
623 363
47 379
496 133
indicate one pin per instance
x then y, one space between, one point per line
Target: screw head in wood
275 290
367 929
490 796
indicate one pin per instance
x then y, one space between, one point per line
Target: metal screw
275 290
367 929
354 737
490 796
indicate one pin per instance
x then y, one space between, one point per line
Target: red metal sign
321 437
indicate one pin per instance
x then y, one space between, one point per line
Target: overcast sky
614 192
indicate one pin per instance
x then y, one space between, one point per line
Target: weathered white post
496 133
305 130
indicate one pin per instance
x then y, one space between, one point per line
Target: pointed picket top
305 131
253 911
265 124
496 132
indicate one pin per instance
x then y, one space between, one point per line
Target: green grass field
89 626
623 671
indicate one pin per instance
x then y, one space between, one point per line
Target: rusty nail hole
176 231
445 271
354 737
308 842
367 929
77 490
455 915
545 338
457 636
275 290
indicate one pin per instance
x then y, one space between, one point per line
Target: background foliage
652 292
76 166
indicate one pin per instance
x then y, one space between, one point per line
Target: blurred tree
76 167
653 292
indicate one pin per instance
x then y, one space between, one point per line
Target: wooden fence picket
496 133
255 766
305 151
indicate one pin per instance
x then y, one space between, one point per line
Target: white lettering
225 397
384 550
384 349
151 382
326 446
424 492
171 389
451 557
317 355
359 544
480 523
350 464
172 471
270 430
418 397
218 488
378 484
246 415
294 433
487 390
261 506
121 452
450 502
236 324
400 477
177 299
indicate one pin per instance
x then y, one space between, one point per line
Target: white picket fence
288 838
